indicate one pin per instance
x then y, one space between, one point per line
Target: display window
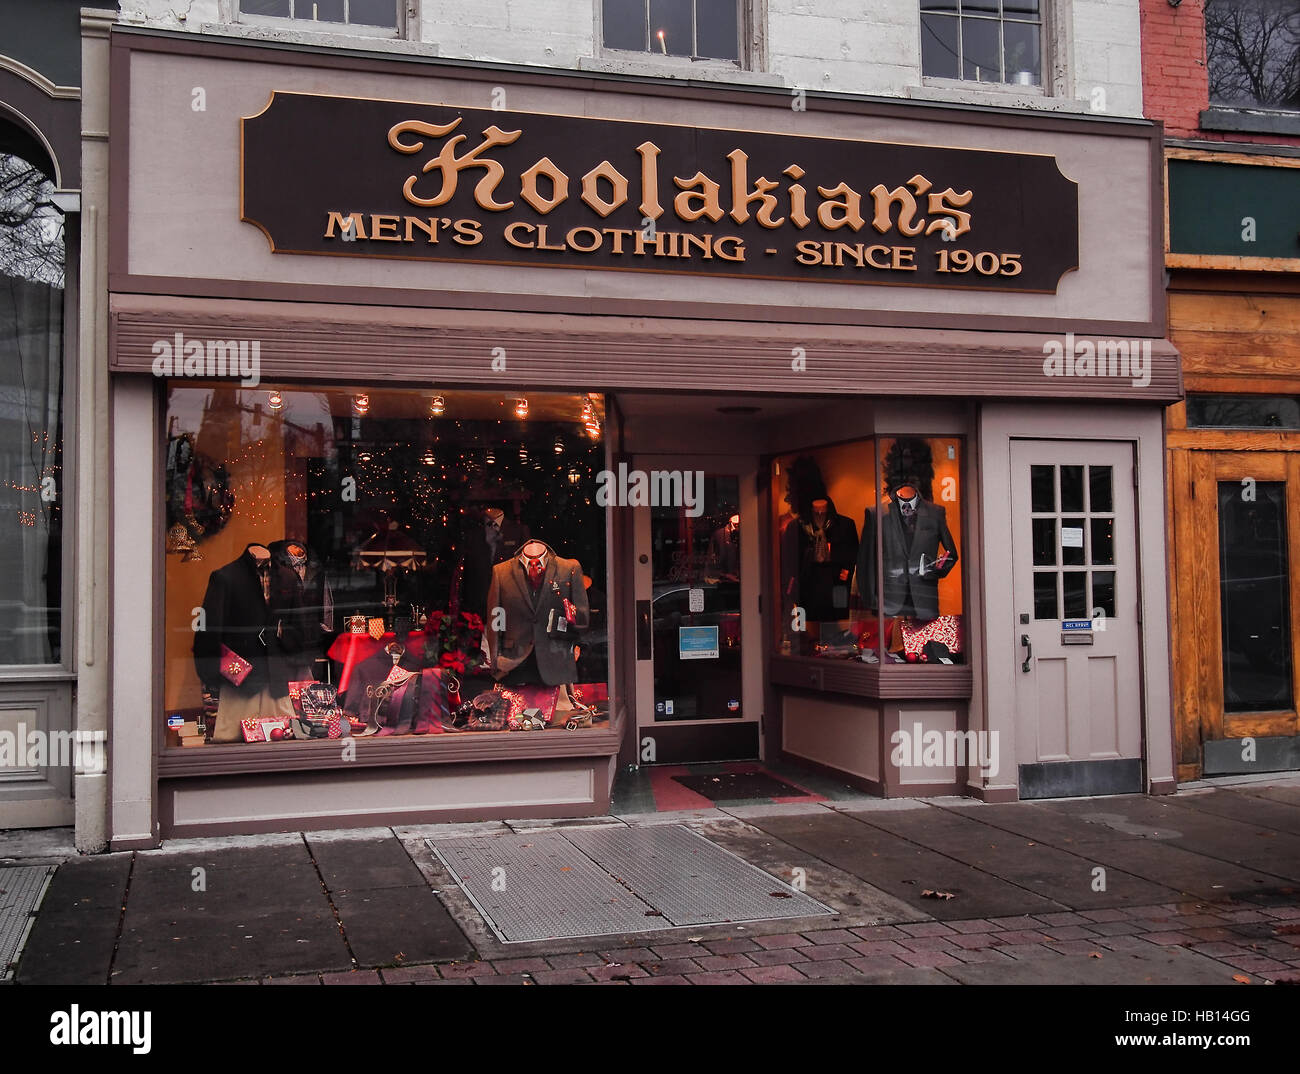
867 544
347 562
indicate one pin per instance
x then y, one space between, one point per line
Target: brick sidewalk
1259 944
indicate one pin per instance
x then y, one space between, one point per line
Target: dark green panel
1208 202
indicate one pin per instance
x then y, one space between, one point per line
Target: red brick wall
1175 83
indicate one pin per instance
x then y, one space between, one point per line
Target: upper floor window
1252 49
698 29
983 40
361 16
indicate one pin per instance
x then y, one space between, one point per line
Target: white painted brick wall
846 46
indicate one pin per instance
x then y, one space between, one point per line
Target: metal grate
21 889
608 881
691 880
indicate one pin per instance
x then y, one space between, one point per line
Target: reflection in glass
1074 585
671 30
1071 488
1103 593
716 34
1243 412
623 24
1100 498
1044 542
1253 584
1103 540
940 57
981 52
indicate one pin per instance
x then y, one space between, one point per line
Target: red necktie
535 571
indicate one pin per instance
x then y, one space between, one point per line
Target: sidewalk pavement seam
329 898
121 917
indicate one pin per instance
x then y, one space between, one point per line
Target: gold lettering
704 242
617 234
903 258
468 232
734 243
541 240
798 197
591 192
449 166
430 228
559 186
872 261
742 197
649 154
699 187
810 252
885 201
945 204
639 240
571 239
350 224
850 209
509 234
381 224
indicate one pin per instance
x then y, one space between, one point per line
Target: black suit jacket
526 618
235 614
907 591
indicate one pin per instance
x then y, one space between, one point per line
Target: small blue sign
697 642
1076 624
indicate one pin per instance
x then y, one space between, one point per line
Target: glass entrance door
697 686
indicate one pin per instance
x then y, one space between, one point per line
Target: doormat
738 786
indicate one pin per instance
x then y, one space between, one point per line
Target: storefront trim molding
863 680
320 342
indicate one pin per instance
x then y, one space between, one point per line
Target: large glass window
1243 412
867 573
31 415
1254 584
699 29
1252 50
362 15
362 562
982 40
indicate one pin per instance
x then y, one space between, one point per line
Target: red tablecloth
351 649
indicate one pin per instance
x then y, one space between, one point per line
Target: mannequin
724 548
830 553
912 531
489 539
258 618
544 606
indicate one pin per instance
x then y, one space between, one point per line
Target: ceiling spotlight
427 458
559 445
364 456
437 406
521 408
361 404
574 476
523 453
490 457
275 400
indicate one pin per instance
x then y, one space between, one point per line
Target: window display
887 589
350 563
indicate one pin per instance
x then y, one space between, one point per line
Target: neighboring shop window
356 562
867 574
1252 51
1254 582
31 418
982 40
1243 412
364 15
698 29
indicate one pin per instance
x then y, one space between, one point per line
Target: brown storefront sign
372 178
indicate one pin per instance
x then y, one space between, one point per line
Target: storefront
1234 458
838 421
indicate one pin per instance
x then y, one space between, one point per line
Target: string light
438 406
559 445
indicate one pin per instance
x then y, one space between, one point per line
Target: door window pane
623 22
695 610
1254 600
1071 488
1072 550
1075 587
1103 593
31 415
1103 540
1100 496
1045 605
1044 542
1042 484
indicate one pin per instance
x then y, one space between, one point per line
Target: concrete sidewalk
1198 887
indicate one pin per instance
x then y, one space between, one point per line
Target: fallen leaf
1094 954
653 913
929 893
1241 978
780 895
565 868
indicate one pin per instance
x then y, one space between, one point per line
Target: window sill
1247 121
342 38
465 748
871 680
995 95
647 65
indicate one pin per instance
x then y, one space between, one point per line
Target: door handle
1029 652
